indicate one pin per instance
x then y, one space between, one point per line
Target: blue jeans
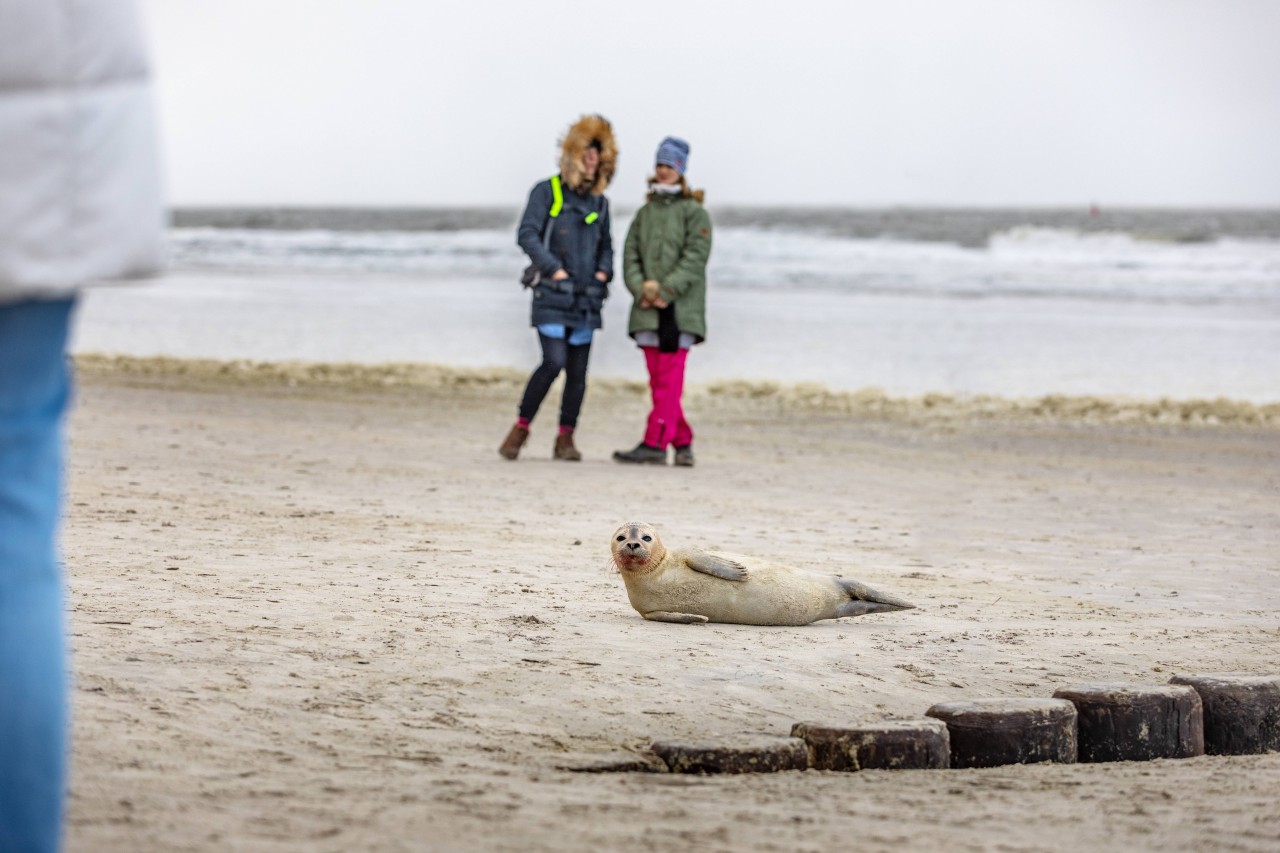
34 387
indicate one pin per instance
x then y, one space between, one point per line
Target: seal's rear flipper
861 608
868 600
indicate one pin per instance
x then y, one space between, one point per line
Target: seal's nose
633 545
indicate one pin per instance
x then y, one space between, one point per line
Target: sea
1178 304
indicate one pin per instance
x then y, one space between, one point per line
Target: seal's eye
620 538
647 538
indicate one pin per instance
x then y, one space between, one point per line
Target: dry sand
314 610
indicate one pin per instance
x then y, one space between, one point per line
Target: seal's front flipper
679 618
868 600
720 567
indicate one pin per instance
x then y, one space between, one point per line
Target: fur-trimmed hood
575 143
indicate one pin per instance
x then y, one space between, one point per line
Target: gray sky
980 102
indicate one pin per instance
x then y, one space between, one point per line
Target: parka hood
575 143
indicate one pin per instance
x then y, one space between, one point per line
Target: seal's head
636 547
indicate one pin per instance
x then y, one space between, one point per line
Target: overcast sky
980 102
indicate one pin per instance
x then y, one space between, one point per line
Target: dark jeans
558 355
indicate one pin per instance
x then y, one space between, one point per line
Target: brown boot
514 441
565 449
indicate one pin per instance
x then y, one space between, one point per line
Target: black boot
642 454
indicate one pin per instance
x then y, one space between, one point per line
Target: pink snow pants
666 382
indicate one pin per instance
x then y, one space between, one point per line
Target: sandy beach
313 609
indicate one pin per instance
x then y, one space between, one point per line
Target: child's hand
650 293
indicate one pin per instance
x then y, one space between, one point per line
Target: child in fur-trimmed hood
588 132
665 267
565 231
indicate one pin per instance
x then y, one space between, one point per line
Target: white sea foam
469 252
1020 262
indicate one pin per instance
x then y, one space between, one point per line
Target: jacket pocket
554 294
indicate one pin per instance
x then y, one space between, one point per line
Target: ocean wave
976 227
726 395
1021 262
460 252
961 226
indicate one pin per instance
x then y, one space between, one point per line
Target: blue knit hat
674 152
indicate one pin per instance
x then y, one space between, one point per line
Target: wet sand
314 610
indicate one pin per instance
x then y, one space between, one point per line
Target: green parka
669 241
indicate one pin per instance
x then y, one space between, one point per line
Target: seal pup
689 586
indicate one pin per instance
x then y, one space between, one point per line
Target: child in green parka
665 268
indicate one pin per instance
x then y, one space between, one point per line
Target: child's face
590 162
665 174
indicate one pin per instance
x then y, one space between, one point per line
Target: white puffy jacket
79 173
